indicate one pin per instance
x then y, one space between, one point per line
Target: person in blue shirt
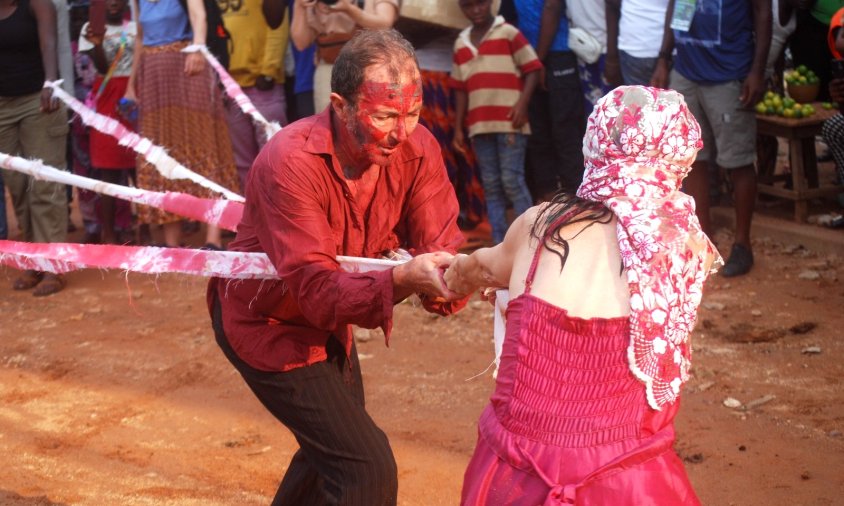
557 117
719 68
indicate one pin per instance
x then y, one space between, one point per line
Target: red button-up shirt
300 211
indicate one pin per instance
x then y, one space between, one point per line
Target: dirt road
113 392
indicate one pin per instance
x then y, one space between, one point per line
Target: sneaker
739 263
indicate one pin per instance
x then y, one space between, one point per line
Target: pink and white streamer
221 213
60 258
235 92
154 154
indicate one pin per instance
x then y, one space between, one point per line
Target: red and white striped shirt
491 75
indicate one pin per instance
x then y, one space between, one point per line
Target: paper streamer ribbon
60 258
502 298
235 92
221 213
154 154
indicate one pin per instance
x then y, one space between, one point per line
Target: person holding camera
330 24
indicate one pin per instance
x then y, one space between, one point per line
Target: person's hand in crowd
130 94
264 83
612 71
836 92
752 89
458 142
307 4
659 79
48 102
518 115
543 84
194 63
93 38
343 6
424 275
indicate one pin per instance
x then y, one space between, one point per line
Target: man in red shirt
358 179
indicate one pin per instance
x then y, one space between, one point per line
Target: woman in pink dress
604 290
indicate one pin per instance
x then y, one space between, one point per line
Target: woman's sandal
27 280
52 283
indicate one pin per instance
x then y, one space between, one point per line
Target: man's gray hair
367 48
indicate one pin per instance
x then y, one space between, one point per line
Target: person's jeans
501 158
40 206
636 70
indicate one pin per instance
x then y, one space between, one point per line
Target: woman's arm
301 33
195 62
97 53
490 267
45 16
136 58
384 16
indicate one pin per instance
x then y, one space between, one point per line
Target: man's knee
371 479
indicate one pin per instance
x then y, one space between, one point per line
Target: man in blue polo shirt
557 118
719 67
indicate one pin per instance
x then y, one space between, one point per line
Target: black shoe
739 263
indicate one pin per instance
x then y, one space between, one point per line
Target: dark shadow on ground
9 498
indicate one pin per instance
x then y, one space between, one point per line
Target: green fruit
802 69
761 108
788 113
826 105
788 102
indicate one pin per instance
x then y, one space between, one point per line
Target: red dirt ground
114 392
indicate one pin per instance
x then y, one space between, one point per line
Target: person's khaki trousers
40 206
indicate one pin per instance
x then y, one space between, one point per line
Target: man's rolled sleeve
431 217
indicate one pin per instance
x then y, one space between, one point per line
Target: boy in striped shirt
494 74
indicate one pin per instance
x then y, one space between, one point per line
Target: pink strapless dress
568 422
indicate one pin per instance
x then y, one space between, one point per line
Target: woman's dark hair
367 48
548 222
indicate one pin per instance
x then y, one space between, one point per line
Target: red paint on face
387 113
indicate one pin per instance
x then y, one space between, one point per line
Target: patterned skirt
438 117
185 115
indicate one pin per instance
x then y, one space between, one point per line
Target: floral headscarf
640 143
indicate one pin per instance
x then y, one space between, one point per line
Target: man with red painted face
358 179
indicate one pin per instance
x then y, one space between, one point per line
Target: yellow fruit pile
774 104
801 75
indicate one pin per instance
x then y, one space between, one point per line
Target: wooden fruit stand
800 134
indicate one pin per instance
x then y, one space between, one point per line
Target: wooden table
800 134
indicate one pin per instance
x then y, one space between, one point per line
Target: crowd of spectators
507 98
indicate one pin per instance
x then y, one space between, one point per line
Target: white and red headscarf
640 143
